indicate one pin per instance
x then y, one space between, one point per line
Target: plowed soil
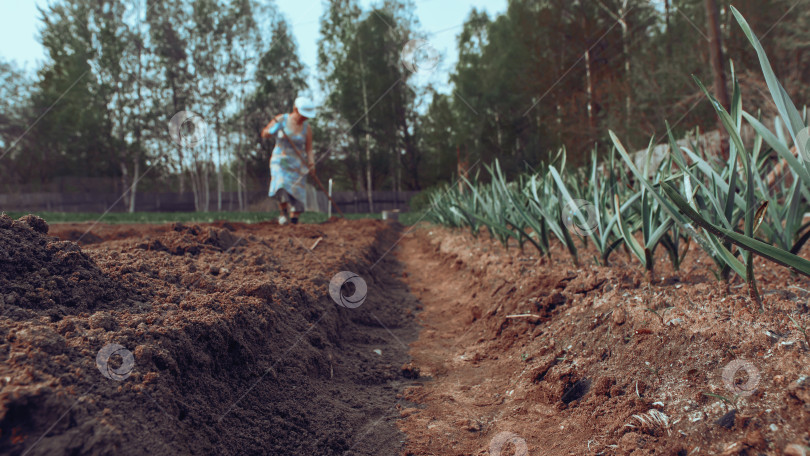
461 347
237 346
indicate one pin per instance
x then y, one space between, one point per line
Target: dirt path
521 356
470 397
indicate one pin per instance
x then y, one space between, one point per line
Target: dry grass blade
651 422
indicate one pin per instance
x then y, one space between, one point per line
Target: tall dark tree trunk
620 17
716 57
716 52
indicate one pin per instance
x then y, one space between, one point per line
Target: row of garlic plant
729 208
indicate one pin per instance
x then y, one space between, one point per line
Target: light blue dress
287 171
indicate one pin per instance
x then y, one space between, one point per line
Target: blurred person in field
289 168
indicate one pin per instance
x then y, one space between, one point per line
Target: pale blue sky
440 19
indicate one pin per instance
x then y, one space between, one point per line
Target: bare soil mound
200 339
45 274
530 356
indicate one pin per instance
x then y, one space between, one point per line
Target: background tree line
118 71
543 75
587 66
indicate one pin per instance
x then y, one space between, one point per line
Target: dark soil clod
36 223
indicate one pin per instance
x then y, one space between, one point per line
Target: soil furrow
528 356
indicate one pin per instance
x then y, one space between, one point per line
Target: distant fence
357 202
347 201
100 202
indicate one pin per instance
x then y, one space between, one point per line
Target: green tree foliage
540 76
74 134
368 100
117 71
553 73
15 111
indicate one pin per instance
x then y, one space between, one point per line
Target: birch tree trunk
669 38
219 167
243 184
498 133
589 90
134 188
124 180
628 102
239 188
368 134
138 133
194 190
181 173
206 169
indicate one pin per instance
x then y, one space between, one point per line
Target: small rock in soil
755 440
727 420
619 316
800 390
469 425
102 320
795 450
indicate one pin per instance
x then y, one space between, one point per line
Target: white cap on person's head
306 107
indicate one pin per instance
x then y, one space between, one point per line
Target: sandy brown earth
227 339
460 348
599 360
